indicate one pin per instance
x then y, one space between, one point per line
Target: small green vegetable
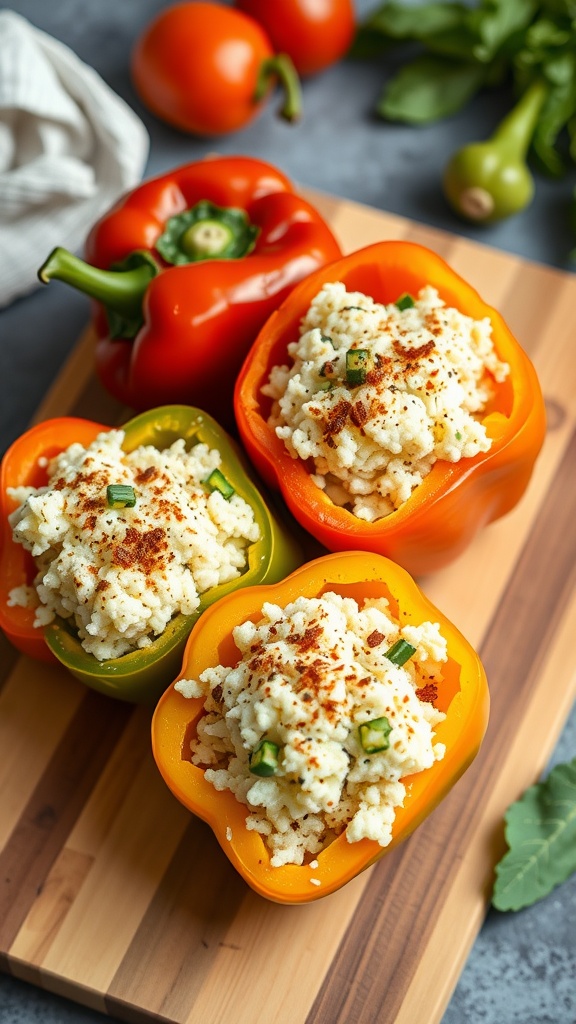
541 836
405 301
120 496
218 482
264 759
374 735
400 652
357 360
487 181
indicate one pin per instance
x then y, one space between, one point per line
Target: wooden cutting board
114 896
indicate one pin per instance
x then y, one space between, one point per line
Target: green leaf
368 43
496 21
571 126
557 112
417 21
428 89
541 835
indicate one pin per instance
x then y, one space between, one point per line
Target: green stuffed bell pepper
111 526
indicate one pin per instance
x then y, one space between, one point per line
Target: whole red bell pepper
185 269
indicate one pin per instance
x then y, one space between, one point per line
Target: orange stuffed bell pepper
433 523
340 726
139 538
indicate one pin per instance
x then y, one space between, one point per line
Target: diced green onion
264 760
218 482
374 735
120 496
400 652
357 360
326 385
405 301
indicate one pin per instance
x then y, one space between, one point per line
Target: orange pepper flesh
455 500
21 469
462 695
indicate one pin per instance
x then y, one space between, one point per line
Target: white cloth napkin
69 147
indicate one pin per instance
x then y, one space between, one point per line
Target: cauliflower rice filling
121 574
314 681
374 434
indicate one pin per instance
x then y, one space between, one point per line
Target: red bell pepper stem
119 290
280 68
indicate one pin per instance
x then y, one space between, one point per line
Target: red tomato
314 33
199 66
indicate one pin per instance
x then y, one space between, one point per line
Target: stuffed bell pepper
185 270
392 407
316 722
115 541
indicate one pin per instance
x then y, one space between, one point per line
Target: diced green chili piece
357 360
264 759
218 482
326 385
400 652
405 301
120 496
374 735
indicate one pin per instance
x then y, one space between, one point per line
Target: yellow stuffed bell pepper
459 694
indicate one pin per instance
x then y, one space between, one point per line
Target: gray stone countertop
522 968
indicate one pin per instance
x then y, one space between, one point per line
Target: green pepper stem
517 128
118 290
280 68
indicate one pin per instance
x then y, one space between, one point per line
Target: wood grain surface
113 895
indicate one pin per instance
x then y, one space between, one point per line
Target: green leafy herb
454 49
430 88
404 301
541 836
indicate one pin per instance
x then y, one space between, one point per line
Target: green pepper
374 735
142 675
264 760
488 181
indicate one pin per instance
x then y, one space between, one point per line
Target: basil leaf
571 126
541 835
428 89
558 110
368 43
495 22
417 21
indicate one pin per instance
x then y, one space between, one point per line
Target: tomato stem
280 69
